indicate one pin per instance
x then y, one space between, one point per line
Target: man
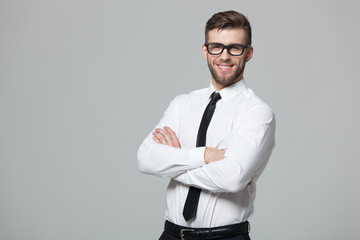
213 143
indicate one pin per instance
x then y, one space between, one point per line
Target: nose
225 55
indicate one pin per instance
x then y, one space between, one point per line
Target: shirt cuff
197 156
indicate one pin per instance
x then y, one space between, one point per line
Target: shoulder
252 106
254 101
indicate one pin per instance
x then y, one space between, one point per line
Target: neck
218 86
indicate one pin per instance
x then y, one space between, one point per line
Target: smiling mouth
224 68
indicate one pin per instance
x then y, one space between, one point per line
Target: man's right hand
213 154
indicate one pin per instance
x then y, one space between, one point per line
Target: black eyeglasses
235 49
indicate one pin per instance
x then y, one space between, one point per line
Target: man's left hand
166 136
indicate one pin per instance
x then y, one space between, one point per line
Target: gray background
83 82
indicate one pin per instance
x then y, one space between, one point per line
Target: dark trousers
166 236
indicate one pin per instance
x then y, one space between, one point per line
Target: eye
216 46
236 48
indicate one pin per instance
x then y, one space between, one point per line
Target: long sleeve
252 142
163 160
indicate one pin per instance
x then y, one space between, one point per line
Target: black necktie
192 199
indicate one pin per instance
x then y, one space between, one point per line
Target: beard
223 80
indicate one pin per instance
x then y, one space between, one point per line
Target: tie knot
215 96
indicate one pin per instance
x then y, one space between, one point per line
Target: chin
226 80
224 83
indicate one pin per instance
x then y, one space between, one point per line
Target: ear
249 53
204 51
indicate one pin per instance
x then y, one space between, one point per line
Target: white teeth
224 66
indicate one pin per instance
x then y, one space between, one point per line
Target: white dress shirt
242 124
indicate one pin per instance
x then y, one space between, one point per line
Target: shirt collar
231 91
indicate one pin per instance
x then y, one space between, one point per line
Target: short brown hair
229 20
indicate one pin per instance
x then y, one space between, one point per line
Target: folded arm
168 160
250 148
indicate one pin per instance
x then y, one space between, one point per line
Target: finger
173 136
160 137
156 140
165 136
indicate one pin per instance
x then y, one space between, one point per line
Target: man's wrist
213 154
197 156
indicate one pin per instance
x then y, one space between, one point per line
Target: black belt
186 233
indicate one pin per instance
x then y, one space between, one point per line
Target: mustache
220 62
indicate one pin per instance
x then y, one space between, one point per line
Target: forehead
227 36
